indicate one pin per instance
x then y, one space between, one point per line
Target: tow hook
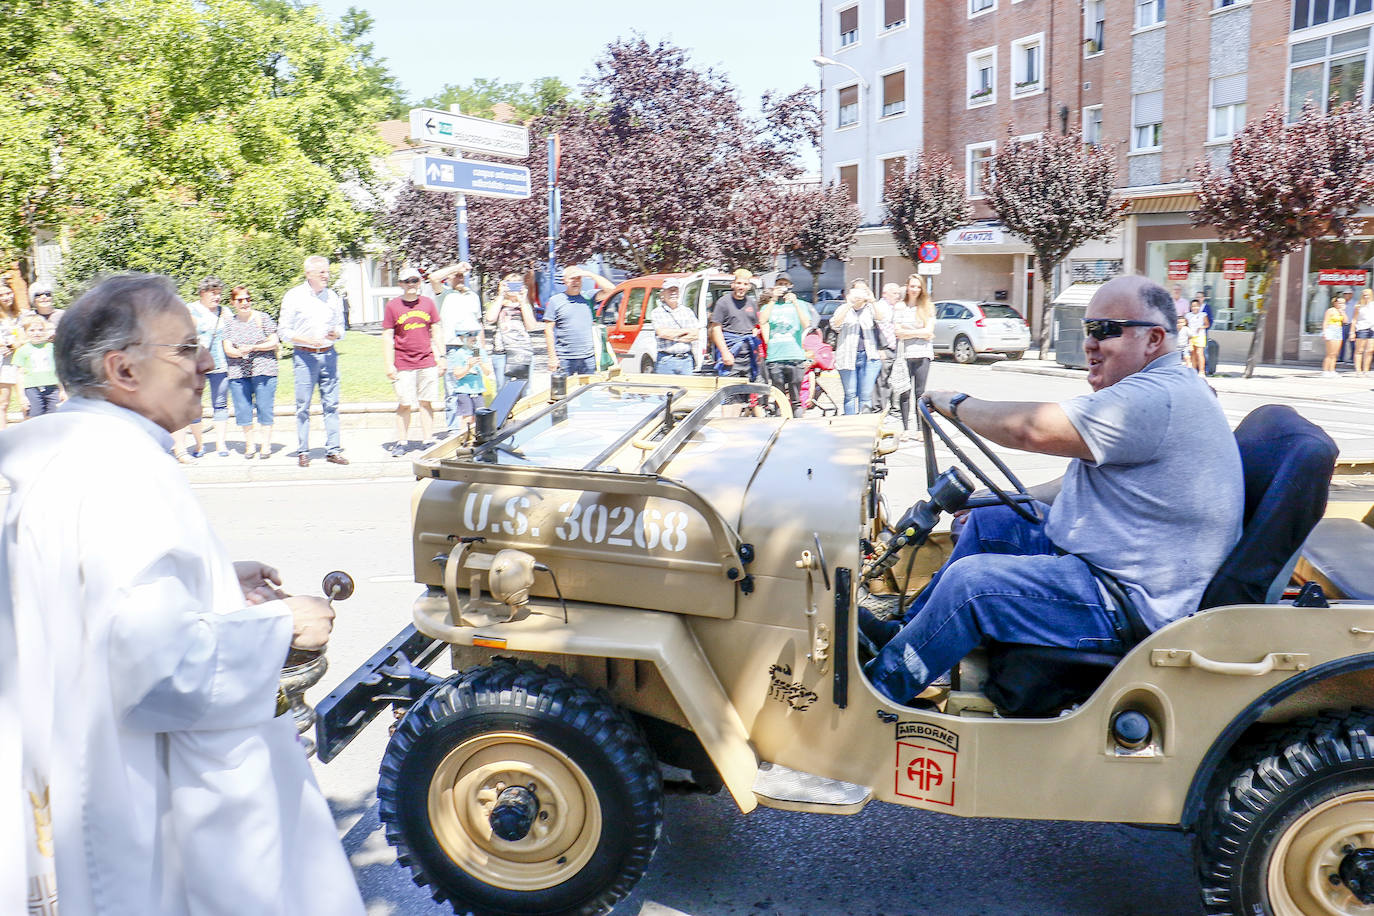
514 813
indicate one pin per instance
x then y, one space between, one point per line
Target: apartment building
1162 84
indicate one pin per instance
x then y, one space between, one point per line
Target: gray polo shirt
1160 505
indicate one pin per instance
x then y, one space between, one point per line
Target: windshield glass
578 429
995 310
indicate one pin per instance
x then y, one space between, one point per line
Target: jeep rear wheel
515 789
1293 833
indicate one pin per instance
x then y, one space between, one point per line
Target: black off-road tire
510 723
1289 810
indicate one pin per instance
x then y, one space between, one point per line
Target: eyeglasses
186 350
1104 328
408 282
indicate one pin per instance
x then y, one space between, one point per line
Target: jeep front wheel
1293 833
512 789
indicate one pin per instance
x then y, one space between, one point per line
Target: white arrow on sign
431 126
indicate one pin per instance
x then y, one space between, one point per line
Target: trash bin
1209 359
1068 335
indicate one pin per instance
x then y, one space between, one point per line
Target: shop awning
1077 294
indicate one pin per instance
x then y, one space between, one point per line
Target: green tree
255 116
545 95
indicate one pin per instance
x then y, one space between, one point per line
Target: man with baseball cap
676 328
413 348
733 319
568 330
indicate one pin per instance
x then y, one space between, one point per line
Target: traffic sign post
928 270
435 127
928 253
471 176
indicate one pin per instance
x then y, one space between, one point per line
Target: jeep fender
652 636
1304 693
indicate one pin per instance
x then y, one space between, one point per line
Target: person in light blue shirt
568 330
1150 506
464 379
312 322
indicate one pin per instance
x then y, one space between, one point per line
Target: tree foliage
763 224
826 230
255 116
1056 193
542 96
658 162
924 201
1288 184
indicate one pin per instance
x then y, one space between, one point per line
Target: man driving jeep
1147 510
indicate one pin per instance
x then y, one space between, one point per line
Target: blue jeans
498 374
674 364
258 391
1003 582
320 369
577 365
858 383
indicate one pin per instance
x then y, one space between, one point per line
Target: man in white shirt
312 322
460 315
140 666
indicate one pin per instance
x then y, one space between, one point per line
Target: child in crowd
465 379
1185 341
35 360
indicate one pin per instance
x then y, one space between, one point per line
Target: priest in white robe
138 665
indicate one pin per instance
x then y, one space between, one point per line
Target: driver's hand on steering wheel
940 401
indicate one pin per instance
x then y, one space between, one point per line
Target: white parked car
967 329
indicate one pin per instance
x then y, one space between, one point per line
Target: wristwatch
954 403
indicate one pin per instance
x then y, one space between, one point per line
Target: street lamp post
865 112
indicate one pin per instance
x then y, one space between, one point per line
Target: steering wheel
1019 501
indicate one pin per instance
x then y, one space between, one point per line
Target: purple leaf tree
924 201
1288 184
826 229
1056 193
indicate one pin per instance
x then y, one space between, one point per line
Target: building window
1092 125
849 180
980 6
847 112
1222 4
1148 13
894 93
875 275
978 157
894 14
1228 107
1318 12
1327 71
849 26
982 77
893 167
1147 118
1094 27
1027 58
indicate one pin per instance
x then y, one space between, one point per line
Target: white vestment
145 694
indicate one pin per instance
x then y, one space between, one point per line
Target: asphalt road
713 860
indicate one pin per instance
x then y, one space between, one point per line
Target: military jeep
631 579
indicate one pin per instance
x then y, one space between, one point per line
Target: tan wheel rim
1308 856
565 832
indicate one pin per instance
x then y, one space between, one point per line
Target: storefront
1331 268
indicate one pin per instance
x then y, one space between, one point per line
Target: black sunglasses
1104 328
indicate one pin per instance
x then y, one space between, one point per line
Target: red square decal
925 772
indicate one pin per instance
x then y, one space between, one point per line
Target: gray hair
107 318
1153 296
315 262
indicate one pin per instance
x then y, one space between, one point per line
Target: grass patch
362 373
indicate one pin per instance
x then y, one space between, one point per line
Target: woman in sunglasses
513 349
1333 323
250 343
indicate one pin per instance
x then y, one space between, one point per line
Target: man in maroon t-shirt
414 348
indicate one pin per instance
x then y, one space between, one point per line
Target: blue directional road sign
471 176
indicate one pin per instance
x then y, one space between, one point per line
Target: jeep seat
1287 462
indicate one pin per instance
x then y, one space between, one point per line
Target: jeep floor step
777 786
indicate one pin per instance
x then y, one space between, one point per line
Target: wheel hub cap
514 813
1357 871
